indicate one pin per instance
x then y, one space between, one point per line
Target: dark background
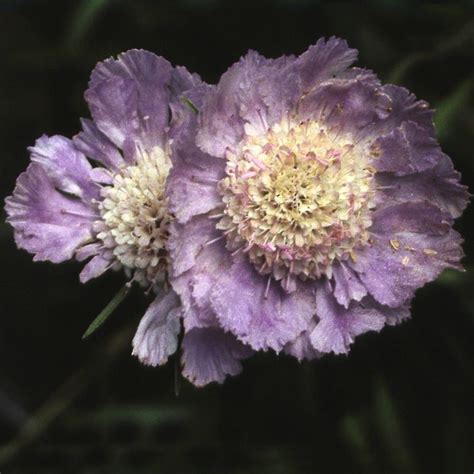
401 402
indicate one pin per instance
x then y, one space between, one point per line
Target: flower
102 194
317 202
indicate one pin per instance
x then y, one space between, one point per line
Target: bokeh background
402 402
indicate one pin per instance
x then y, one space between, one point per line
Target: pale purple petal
347 286
195 284
338 326
47 223
392 277
94 144
88 250
285 81
324 60
157 334
223 114
260 318
210 355
67 168
259 91
186 241
404 108
346 106
192 182
96 267
301 347
407 149
410 245
129 98
439 185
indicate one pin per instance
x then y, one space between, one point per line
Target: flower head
102 195
325 202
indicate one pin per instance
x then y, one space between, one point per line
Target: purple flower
316 203
101 196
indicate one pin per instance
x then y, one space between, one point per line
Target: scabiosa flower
102 194
324 203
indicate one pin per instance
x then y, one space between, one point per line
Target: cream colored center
297 198
135 219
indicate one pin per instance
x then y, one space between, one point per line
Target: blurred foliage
401 402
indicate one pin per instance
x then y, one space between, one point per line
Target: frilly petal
347 106
264 319
338 326
192 182
51 209
157 334
129 98
210 355
195 269
440 185
259 91
347 286
94 144
67 168
411 244
301 347
323 60
235 100
187 240
96 267
407 149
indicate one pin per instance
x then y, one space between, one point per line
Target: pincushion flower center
297 198
135 218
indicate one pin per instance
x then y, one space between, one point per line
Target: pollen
297 198
135 221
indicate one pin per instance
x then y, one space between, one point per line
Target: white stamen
134 217
304 194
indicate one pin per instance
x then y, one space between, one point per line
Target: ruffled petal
258 91
440 185
129 98
404 108
96 267
51 209
301 347
411 244
347 286
192 182
157 334
196 267
285 81
420 217
67 168
94 144
187 240
234 101
210 355
338 326
260 317
347 107
324 60
407 149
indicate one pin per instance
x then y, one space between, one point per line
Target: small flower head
102 196
134 218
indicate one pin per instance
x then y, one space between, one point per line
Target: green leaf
139 414
106 312
390 430
452 107
190 104
354 431
85 16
